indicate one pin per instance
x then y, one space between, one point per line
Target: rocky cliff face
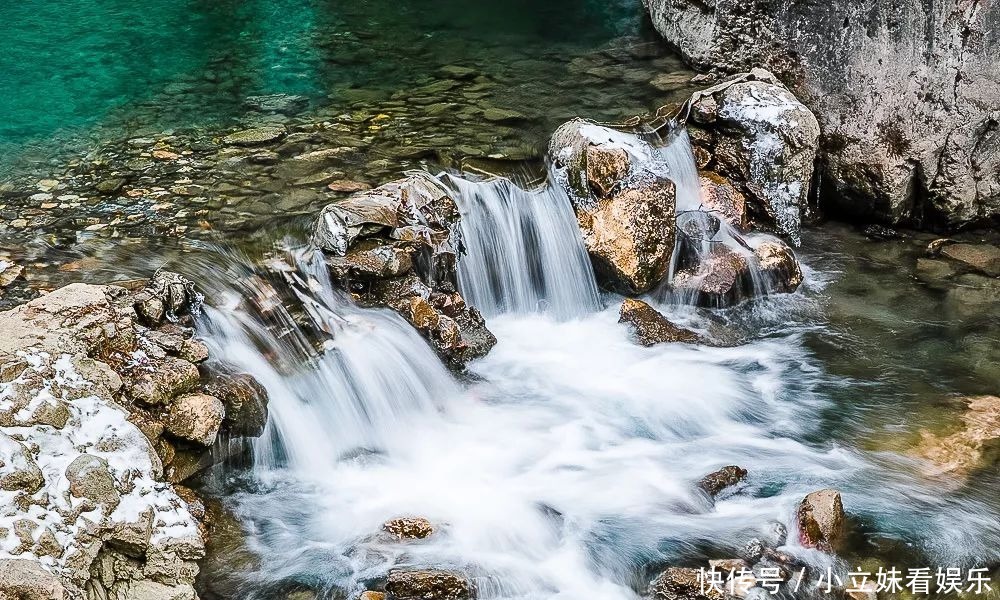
907 94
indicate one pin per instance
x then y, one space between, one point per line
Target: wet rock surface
428 585
720 280
623 201
409 528
716 482
650 327
894 147
754 139
778 266
679 583
822 521
396 246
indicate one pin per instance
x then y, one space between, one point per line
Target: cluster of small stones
102 407
289 158
820 522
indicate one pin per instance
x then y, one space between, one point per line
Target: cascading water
523 251
369 375
563 469
703 235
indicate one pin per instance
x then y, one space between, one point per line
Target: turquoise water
78 71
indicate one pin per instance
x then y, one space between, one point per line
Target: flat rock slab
255 136
984 258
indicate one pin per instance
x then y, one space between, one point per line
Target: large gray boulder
907 94
753 132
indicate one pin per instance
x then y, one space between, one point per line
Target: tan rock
18 470
245 401
778 266
718 281
630 236
979 257
606 168
169 376
715 482
427 585
624 202
965 451
90 477
195 418
822 521
28 580
347 186
865 591
651 327
721 197
422 314
9 272
678 583
409 528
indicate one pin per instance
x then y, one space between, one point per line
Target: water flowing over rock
913 143
651 327
523 251
822 521
396 246
721 197
778 266
717 261
624 202
754 135
719 279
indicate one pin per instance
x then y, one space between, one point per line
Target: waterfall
563 467
704 236
340 378
678 158
523 250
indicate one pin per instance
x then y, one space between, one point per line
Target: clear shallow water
77 72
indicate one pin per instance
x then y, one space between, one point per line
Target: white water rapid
564 466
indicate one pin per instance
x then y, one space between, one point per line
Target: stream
562 465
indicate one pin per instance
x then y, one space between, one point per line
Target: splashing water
678 157
524 253
565 469
704 236
370 373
